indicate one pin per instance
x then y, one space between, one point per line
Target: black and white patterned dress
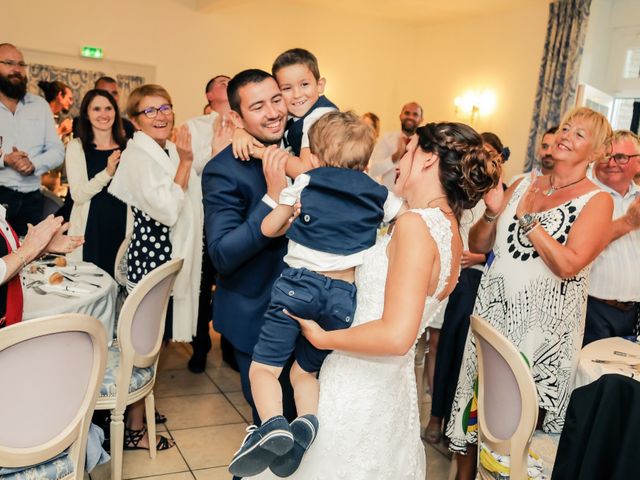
149 248
540 313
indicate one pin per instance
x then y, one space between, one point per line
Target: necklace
553 189
441 209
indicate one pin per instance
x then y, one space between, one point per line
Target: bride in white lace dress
368 415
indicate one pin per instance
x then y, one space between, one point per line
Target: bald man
391 146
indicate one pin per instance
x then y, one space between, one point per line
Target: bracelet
19 255
488 218
530 227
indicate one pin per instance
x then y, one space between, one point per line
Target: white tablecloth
100 302
589 371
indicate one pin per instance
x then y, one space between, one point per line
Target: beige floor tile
171 383
225 378
210 446
214 357
172 476
173 357
220 473
138 464
101 472
437 465
238 401
192 411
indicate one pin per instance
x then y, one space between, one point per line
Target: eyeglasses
152 112
620 158
11 63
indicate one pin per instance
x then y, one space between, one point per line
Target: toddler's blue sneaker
304 429
261 446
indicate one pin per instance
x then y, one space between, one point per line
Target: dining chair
120 265
51 369
132 360
120 275
51 203
507 399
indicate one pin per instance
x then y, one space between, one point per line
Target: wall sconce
475 103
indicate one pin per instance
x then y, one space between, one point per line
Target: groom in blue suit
237 195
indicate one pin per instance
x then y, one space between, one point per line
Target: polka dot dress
150 247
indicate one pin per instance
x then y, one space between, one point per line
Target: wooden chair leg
150 409
117 443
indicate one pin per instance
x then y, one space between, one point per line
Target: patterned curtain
566 30
80 81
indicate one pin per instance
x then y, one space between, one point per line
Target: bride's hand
313 332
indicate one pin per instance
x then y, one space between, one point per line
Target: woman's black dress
107 219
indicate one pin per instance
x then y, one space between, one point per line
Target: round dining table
609 355
85 289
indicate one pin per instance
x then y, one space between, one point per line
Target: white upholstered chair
50 373
507 399
132 360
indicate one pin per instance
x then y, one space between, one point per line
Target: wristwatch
526 221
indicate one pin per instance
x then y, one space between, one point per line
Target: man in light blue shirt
29 144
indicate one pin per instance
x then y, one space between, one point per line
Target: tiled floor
207 416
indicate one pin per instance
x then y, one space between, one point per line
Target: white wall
362 59
597 46
370 64
500 52
614 25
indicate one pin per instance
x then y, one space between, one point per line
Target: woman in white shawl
156 179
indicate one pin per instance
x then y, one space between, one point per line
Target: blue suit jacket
247 262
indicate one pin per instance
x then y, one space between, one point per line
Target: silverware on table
40 291
625 354
79 281
88 274
634 366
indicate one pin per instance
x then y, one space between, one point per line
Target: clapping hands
19 161
48 236
632 216
183 145
112 162
494 198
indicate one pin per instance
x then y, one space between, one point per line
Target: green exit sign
91 52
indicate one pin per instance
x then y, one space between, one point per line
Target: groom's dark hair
243 78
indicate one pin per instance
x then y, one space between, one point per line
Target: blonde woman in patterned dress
541 231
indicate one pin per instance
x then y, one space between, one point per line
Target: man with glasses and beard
29 143
392 145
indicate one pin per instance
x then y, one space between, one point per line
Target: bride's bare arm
412 253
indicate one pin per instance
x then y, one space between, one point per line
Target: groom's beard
14 85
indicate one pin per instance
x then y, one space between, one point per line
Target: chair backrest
142 317
51 202
507 397
51 370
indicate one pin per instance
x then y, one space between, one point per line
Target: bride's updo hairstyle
467 170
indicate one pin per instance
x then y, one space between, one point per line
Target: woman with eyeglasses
156 179
534 289
92 159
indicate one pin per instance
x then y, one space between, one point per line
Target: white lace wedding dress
368 411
